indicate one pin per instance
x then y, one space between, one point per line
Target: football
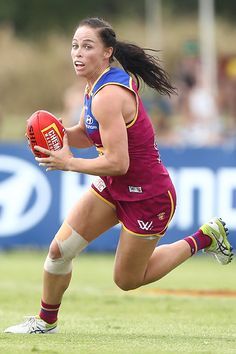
45 130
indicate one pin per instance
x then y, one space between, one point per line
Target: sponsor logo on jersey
89 122
133 189
156 148
99 184
145 225
155 145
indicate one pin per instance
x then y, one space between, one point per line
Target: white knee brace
70 247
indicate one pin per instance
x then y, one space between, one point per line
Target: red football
45 130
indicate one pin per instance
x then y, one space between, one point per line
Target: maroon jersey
146 176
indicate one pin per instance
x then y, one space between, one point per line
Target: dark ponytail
133 59
141 64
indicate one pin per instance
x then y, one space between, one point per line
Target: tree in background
35 17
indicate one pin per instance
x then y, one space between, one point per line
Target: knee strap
70 244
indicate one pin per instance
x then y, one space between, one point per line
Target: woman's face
89 55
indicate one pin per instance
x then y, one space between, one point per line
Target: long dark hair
133 58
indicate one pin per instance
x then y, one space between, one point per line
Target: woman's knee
54 251
125 283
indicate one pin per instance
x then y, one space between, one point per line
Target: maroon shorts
149 217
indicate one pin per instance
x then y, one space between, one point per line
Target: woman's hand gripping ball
56 160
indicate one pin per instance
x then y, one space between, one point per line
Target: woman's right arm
77 136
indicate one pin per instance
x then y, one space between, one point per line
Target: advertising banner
33 202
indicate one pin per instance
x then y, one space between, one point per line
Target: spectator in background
227 87
0 123
190 63
199 123
161 113
73 101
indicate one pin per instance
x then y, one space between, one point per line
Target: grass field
97 317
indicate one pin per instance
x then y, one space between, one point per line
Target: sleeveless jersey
146 176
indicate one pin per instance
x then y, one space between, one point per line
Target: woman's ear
108 52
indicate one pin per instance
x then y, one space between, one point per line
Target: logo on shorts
99 184
161 216
145 225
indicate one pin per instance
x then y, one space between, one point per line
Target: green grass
97 317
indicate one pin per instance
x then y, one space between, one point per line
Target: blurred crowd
196 116
199 115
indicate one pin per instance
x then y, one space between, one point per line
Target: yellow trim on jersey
113 83
100 150
136 97
171 213
102 198
88 92
128 88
